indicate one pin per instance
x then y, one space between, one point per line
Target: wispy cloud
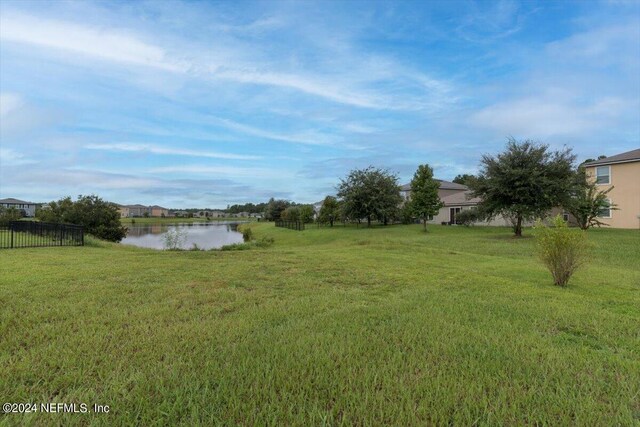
155 149
102 43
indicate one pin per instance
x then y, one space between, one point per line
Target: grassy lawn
335 326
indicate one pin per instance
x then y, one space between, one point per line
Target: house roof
158 207
629 156
15 201
462 198
135 206
444 185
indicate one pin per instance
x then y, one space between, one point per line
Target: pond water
206 235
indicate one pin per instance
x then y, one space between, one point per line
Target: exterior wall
124 212
138 211
29 209
158 212
625 180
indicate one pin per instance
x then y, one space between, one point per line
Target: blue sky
205 104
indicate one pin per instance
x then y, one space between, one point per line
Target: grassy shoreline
347 326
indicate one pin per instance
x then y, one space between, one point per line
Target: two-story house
28 209
622 172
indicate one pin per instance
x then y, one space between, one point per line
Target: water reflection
205 235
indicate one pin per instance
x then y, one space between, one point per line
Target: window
606 211
603 175
565 216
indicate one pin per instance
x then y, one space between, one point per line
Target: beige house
622 172
456 198
124 211
159 211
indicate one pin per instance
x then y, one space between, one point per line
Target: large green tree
370 193
524 182
275 208
425 201
98 217
330 211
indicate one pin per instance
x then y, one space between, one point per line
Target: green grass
338 326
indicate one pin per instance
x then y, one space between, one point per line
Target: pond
206 235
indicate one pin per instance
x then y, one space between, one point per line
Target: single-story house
622 172
28 209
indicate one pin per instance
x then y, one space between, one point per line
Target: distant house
217 214
124 211
622 172
159 211
456 198
137 211
28 209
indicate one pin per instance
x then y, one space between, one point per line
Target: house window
603 175
605 212
565 216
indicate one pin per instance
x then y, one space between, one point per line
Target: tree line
521 184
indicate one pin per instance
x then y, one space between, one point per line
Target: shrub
9 214
174 238
247 234
561 249
265 242
468 217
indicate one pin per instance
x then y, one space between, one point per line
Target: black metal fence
291 225
33 234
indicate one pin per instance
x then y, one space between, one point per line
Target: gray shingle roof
629 156
16 201
444 185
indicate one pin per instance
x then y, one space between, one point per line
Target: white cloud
102 43
223 171
154 149
9 157
308 137
9 102
547 116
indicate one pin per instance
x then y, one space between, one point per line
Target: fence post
11 227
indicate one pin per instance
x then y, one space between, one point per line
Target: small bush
174 238
247 234
468 217
265 242
237 247
561 249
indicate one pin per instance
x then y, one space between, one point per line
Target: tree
97 216
587 202
524 182
275 208
9 214
292 213
425 201
370 193
306 213
330 210
463 179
